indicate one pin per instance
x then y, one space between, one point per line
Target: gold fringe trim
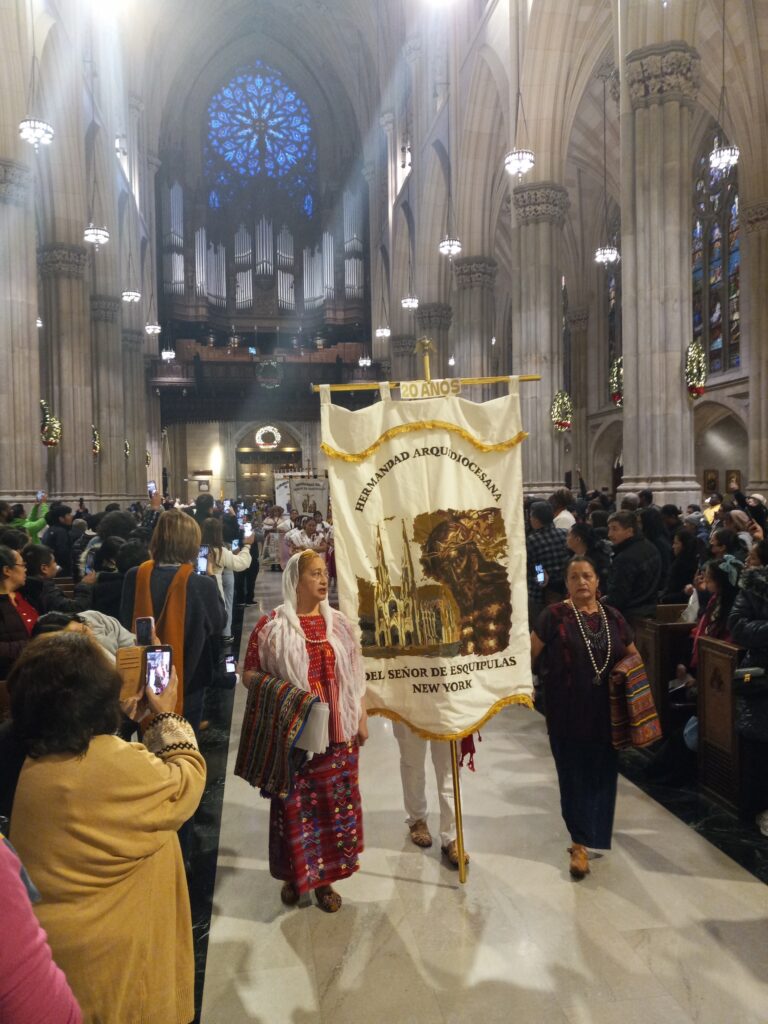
505 702
409 428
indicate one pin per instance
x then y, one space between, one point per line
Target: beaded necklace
597 679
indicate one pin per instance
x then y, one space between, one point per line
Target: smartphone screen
227 503
235 545
539 572
145 627
40 495
151 487
247 530
158 673
202 560
231 662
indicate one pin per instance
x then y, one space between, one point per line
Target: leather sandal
451 853
289 894
579 866
420 834
327 899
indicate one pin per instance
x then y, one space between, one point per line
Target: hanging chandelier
723 157
364 361
520 159
606 255
383 332
410 300
130 294
450 246
451 360
153 327
168 353
94 235
34 129
39 321
519 162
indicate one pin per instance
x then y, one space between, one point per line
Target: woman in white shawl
316 833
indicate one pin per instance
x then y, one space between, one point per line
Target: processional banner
309 495
430 555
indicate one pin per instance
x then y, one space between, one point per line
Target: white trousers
413 754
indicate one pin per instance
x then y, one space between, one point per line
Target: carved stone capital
403 344
475 271
543 201
133 341
104 308
433 316
62 260
754 215
15 182
578 319
663 72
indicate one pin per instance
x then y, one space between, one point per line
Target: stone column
403 349
70 367
578 320
133 426
474 324
540 210
21 453
433 319
108 396
659 88
754 326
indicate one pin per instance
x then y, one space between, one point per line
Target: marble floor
667 928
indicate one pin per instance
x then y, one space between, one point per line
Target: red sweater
33 990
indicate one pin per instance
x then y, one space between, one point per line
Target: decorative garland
263 433
95 441
269 373
147 458
561 411
127 449
617 381
695 370
50 427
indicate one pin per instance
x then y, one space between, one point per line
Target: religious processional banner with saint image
430 555
309 495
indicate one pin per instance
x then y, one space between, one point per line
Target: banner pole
457 807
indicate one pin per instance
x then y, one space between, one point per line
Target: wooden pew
663 642
720 769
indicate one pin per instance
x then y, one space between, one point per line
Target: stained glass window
260 128
715 260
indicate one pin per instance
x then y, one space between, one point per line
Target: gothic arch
606 448
285 429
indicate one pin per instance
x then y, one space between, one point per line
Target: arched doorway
607 457
263 451
722 446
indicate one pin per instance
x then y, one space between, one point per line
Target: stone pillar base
667 490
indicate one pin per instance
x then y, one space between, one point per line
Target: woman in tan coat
95 821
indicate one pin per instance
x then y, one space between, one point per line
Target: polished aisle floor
666 929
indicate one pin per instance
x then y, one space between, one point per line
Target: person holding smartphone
220 561
187 608
95 821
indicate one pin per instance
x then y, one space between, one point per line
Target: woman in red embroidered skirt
316 833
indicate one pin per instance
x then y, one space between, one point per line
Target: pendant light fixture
450 245
410 301
606 254
94 235
364 361
383 330
520 159
131 294
34 129
167 353
723 157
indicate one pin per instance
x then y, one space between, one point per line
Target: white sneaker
762 822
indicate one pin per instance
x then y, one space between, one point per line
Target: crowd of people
99 820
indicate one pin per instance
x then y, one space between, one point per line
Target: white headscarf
283 649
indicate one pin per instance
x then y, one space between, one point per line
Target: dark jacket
204 620
634 577
105 595
681 573
748 621
45 596
13 635
59 540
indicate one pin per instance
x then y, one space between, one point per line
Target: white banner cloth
430 555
